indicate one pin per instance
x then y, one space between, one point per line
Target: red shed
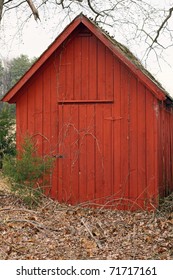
90 103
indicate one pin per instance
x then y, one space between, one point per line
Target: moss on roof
132 58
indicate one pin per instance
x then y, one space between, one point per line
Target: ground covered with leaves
56 231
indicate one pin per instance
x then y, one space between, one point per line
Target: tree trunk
1 8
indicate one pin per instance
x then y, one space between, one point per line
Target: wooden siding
165 150
85 107
117 49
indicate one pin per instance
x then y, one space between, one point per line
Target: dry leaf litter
57 231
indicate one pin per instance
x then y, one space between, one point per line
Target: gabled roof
118 49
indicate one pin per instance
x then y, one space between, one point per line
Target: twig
96 240
162 26
11 248
33 9
93 9
34 224
17 209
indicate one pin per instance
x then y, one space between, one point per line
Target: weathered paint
101 118
165 152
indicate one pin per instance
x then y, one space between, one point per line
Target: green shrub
28 172
7 133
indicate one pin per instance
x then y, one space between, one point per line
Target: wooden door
85 155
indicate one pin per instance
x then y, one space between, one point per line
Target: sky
33 38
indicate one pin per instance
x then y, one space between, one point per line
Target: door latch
58 156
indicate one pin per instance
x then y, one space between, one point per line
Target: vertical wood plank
18 122
68 128
141 146
83 153
99 154
60 151
124 133
46 111
163 150
90 151
31 109
160 151
133 153
92 79
117 129
84 68
156 148
62 74
109 74
69 65
101 75
108 154
166 151
39 112
54 125
22 118
171 143
150 149
74 154
77 68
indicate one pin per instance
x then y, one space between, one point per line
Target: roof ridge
130 55
120 50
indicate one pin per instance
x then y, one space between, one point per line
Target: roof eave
158 92
41 60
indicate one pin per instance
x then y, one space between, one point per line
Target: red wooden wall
165 150
87 108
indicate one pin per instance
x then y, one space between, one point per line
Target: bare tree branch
61 3
33 9
92 9
13 7
162 26
7 2
133 22
1 8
